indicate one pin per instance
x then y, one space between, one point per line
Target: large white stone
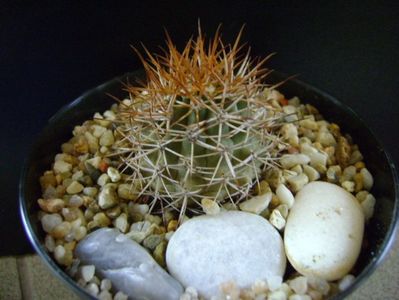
324 231
131 269
209 250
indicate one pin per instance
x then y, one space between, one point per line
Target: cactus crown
201 126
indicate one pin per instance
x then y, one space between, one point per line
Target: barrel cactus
201 125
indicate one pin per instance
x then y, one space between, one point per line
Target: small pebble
298 182
113 174
106 284
120 296
277 295
299 285
277 220
126 191
368 205
290 160
300 297
210 207
61 166
256 204
107 138
90 191
50 221
152 241
285 195
103 179
368 180
107 197
92 289
121 222
87 272
345 282
348 186
104 295
274 282
74 188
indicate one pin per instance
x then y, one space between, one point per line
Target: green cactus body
201 127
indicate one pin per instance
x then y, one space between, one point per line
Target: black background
50 53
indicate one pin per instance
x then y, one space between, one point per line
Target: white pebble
290 133
120 296
107 197
299 297
75 201
277 220
113 174
298 182
74 188
98 130
192 291
103 179
290 160
87 272
210 207
316 157
283 209
107 138
368 205
141 209
285 196
121 222
309 124
348 173
79 232
355 157
290 112
95 162
299 285
105 295
256 204
50 221
92 289
345 282
311 173
277 295
274 282
348 186
59 253
109 115
325 138
334 223
49 242
61 166
260 287
368 180
361 196
333 173
319 284
90 191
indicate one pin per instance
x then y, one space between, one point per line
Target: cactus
201 126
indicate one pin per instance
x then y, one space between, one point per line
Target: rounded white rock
233 246
324 231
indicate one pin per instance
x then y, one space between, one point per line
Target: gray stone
129 266
210 250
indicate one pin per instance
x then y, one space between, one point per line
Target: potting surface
26 277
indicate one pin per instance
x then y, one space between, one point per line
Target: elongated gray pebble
129 266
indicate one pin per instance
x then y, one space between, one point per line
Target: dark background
50 53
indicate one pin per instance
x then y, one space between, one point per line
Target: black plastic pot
380 231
